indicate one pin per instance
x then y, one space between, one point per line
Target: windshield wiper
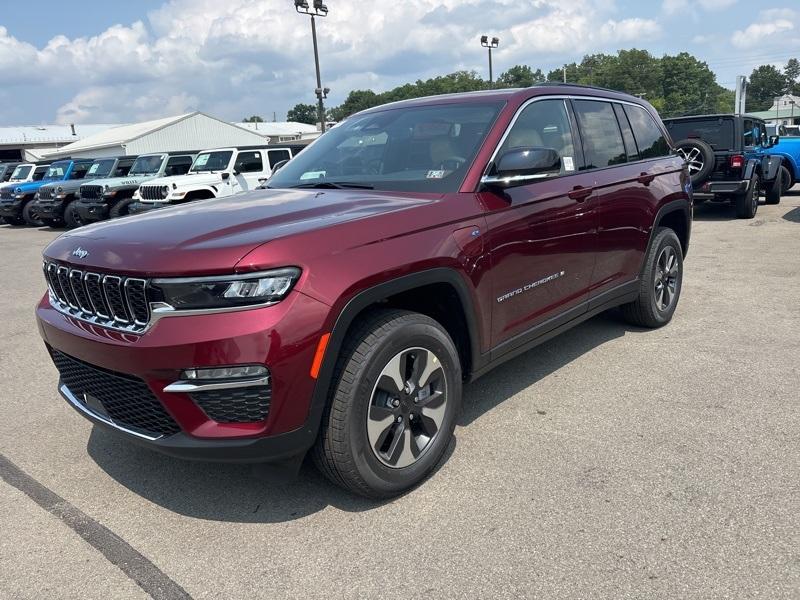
333 185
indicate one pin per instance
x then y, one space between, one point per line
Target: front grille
7 195
126 400
91 192
107 300
46 193
242 405
150 192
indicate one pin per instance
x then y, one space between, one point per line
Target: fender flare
203 188
368 297
673 206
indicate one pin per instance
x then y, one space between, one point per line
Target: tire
747 204
71 215
786 180
29 216
359 427
120 209
772 195
659 287
699 157
53 222
15 221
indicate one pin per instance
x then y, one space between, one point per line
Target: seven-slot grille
107 300
91 192
7 194
151 192
46 193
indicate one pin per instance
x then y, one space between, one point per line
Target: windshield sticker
202 160
435 174
313 175
569 165
93 168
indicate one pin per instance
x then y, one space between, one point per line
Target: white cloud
683 7
755 34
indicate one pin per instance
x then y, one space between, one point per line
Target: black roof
713 116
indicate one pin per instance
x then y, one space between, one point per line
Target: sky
118 62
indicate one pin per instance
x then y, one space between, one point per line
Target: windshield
21 172
56 171
718 133
100 168
211 161
415 149
147 165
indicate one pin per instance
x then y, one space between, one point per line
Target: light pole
317 9
792 103
490 43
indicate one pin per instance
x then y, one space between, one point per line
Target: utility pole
565 73
490 44
318 10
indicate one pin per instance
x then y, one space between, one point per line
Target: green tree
792 74
766 84
253 119
356 101
303 113
520 76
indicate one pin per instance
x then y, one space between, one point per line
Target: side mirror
523 165
225 176
774 139
278 166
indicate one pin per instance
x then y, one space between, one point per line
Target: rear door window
649 137
276 156
39 173
627 133
600 133
178 165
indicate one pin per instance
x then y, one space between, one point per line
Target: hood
120 182
32 186
211 236
70 185
195 180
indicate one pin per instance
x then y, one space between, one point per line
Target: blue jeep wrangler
788 148
730 159
16 202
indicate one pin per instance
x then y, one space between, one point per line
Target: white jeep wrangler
214 174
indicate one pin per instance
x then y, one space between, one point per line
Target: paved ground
610 462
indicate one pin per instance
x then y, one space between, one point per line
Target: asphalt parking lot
610 462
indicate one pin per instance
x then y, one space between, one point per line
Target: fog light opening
223 373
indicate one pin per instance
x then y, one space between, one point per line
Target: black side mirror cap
521 166
225 175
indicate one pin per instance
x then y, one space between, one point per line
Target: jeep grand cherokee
407 251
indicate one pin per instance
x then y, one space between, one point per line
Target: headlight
268 287
164 191
17 190
59 189
105 188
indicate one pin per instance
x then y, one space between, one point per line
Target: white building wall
196 132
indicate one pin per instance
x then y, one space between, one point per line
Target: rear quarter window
600 133
649 137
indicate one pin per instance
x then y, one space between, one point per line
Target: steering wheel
373 166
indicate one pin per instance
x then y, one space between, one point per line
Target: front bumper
11 208
92 211
141 207
712 188
52 209
286 344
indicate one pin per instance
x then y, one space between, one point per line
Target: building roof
783 113
273 128
23 135
122 134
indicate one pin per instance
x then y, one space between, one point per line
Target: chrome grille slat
107 300
112 287
91 192
150 192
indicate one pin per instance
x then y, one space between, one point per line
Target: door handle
580 193
645 178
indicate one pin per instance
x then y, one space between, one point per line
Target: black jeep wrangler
728 159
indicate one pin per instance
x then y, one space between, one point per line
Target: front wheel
29 215
660 285
120 209
72 217
786 180
772 195
747 204
394 403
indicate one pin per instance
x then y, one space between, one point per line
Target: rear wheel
747 204
72 217
786 180
395 400
660 285
29 215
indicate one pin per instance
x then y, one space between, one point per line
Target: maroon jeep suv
339 310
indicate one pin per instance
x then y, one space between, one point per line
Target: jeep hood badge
80 252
